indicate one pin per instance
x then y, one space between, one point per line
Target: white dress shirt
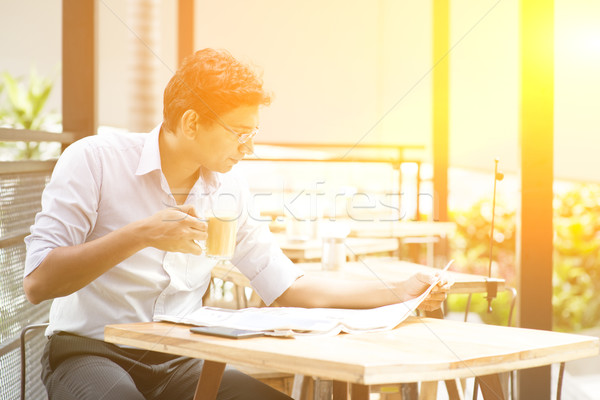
104 182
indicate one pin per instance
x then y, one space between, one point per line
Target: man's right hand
175 229
61 272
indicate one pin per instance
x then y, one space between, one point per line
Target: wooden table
407 232
420 349
377 268
312 249
401 229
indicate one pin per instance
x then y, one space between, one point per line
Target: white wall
31 37
332 77
577 90
485 87
484 84
337 67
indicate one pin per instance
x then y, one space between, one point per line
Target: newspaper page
295 321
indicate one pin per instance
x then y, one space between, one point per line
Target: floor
582 377
581 380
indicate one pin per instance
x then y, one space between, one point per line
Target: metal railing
393 155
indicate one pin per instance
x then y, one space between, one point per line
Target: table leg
360 392
322 389
302 387
491 387
455 389
210 380
340 390
410 391
439 314
413 253
240 297
428 390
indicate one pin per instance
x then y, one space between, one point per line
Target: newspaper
293 321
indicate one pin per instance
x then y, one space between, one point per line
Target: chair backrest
20 200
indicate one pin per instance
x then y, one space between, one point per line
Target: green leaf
19 107
15 96
24 108
40 99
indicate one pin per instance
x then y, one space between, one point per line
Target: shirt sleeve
258 256
69 204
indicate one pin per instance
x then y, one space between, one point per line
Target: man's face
218 148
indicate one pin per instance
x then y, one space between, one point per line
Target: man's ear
189 123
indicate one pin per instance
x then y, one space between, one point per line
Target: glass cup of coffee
221 236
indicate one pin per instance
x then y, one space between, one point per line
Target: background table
386 269
407 232
378 268
312 249
401 229
420 349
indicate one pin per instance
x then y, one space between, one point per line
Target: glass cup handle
202 245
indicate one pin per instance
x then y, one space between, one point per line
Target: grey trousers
75 367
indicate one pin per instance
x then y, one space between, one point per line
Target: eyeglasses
241 137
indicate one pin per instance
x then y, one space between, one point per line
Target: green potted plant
24 108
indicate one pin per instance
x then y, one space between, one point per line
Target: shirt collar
150 157
150 161
211 180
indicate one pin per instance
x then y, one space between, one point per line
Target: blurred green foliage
2 111
576 294
471 243
479 305
22 106
470 250
576 275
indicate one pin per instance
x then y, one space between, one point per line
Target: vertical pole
418 213
441 60
185 29
535 228
79 83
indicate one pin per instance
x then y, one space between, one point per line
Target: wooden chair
278 380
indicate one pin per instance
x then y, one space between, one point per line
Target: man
115 241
